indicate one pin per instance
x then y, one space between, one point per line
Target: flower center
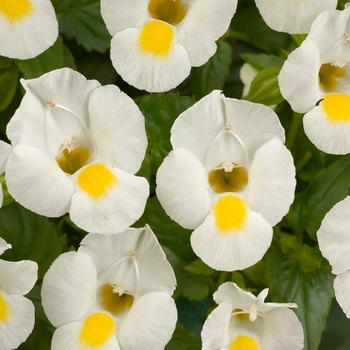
156 38
228 179
240 315
230 214
171 11
4 309
114 301
15 10
337 107
96 180
243 342
97 329
329 76
73 155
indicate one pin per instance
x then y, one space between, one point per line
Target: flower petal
341 288
5 150
238 298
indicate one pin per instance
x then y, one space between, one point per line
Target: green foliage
8 82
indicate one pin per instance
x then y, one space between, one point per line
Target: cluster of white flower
76 147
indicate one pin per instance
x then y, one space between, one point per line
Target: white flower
319 70
76 146
229 177
292 16
247 74
27 27
5 150
155 42
16 312
334 241
114 293
245 322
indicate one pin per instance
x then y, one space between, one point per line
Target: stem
293 131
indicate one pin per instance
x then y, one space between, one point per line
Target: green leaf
57 56
264 88
198 267
329 186
262 61
82 21
32 237
312 291
213 75
160 111
8 85
183 340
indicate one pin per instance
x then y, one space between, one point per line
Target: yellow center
97 329
96 180
156 38
113 302
4 309
230 213
15 10
337 107
329 76
171 11
243 342
72 160
228 181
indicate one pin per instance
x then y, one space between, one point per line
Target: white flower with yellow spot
334 241
76 146
293 16
27 27
114 293
5 150
155 42
17 314
243 321
315 80
229 177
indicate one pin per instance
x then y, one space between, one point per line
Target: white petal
292 16
118 128
69 288
215 329
333 138
327 32
4 245
18 277
144 71
247 75
123 205
238 298
1 196
154 271
20 323
298 80
67 337
36 182
234 251
5 150
255 124
197 127
205 22
333 236
150 323
122 14
182 188
341 288
64 87
29 36
272 181
283 330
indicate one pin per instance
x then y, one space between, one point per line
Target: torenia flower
334 242
229 177
16 312
155 42
319 70
114 293
245 322
292 16
5 150
76 148
27 27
